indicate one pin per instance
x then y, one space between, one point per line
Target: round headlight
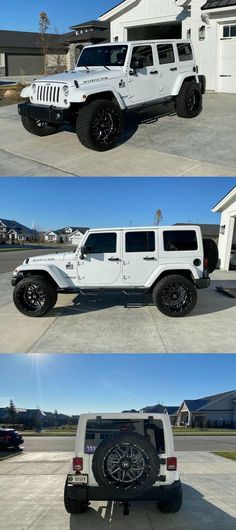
34 88
66 90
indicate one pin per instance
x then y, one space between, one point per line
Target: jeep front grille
48 94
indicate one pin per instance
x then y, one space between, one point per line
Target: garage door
172 30
227 81
25 64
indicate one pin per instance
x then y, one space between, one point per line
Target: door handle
149 258
153 72
114 259
173 68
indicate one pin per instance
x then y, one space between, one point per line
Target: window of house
102 243
185 51
175 240
229 31
143 54
166 53
140 241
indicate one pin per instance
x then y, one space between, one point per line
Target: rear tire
72 506
189 100
38 127
99 125
175 295
34 296
173 505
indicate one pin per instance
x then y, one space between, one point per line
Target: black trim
202 82
202 283
39 112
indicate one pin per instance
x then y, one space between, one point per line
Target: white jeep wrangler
123 457
170 262
109 79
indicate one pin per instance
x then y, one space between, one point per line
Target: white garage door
228 59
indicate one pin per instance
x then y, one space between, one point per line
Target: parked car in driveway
10 438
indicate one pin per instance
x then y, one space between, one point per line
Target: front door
140 256
143 75
101 265
167 68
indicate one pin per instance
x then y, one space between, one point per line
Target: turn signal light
78 463
171 463
205 263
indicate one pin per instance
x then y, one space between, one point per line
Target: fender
56 274
78 96
179 81
155 275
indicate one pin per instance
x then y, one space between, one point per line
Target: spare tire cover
211 253
126 465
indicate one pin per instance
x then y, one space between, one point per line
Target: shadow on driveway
9 453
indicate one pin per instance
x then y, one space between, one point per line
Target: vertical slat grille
48 94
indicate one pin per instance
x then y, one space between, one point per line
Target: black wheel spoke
126 466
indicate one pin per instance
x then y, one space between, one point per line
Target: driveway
31 486
155 143
115 323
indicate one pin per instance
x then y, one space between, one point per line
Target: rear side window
140 242
100 429
143 54
165 53
180 240
185 51
101 243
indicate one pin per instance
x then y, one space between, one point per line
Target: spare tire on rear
211 254
126 465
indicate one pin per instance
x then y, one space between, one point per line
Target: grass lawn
203 432
227 454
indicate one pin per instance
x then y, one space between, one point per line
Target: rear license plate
78 479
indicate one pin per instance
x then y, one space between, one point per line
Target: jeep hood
49 258
82 76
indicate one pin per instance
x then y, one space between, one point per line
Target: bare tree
158 217
44 25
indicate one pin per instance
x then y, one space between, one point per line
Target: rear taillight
78 463
205 263
171 463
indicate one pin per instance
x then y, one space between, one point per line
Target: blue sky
52 203
24 17
104 383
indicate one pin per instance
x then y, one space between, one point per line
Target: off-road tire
172 506
90 121
211 253
136 446
48 290
72 506
38 127
189 100
175 295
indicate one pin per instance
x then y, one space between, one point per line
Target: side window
142 55
185 51
180 240
140 241
166 53
101 243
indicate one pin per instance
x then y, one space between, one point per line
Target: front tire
99 125
34 296
189 100
175 295
38 127
72 506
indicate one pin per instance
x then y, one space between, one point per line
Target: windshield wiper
84 66
106 67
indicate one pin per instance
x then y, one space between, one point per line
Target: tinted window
140 242
143 54
180 240
101 243
98 430
185 52
165 53
103 56
233 31
226 31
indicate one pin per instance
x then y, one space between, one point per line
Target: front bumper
85 493
40 112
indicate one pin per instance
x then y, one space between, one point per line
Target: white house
227 237
69 234
210 24
76 237
212 411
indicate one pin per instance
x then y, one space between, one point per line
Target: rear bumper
39 112
202 283
85 494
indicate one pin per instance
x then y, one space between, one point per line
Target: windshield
103 56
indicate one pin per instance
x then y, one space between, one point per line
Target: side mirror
84 251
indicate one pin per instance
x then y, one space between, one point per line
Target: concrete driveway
114 323
31 487
155 143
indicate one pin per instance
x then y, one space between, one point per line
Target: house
84 34
158 409
69 234
209 231
210 24
35 417
14 232
227 236
211 411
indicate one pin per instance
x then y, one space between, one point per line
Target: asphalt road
182 443
10 259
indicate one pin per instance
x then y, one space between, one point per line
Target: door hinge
126 277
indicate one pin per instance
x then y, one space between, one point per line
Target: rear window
166 53
140 241
180 240
101 243
185 51
99 429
